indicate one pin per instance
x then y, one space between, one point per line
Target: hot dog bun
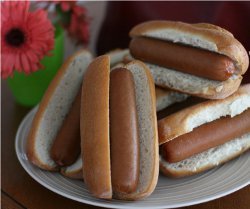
95 130
187 119
203 36
54 107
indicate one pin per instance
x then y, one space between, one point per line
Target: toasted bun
202 35
149 157
165 98
54 107
206 160
187 119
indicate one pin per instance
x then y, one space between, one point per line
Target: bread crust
31 151
224 41
177 124
94 126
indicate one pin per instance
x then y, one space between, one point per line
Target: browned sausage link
183 58
206 136
66 146
123 132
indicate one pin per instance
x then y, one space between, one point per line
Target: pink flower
26 37
78 27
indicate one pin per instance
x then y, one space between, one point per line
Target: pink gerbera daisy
26 37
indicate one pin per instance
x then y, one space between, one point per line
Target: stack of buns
98 119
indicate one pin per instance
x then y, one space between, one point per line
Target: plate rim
107 205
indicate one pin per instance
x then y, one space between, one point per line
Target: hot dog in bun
198 59
119 130
57 117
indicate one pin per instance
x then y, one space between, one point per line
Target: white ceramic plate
169 193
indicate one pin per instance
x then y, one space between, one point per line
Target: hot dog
124 136
124 163
211 128
187 59
206 136
198 59
66 145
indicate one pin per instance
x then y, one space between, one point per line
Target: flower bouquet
32 44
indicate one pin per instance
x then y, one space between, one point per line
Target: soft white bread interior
202 35
54 107
73 171
187 119
194 85
165 98
148 135
206 160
